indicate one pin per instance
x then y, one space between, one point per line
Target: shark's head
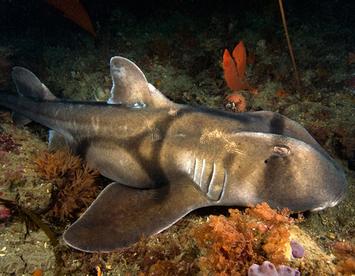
283 171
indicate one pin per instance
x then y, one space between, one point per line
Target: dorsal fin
130 87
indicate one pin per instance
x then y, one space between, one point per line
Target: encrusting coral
7 144
236 102
74 182
276 244
276 230
229 246
345 253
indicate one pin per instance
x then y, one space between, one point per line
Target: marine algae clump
227 245
230 245
345 253
74 182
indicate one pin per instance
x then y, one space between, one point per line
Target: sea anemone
74 182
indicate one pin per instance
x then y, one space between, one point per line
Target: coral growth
345 252
281 93
5 212
234 68
14 177
37 272
56 165
276 238
7 144
229 246
276 244
347 266
74 182
265 213
236 102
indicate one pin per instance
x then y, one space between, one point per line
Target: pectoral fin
19 120
121 215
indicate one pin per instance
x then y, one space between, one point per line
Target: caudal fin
28 85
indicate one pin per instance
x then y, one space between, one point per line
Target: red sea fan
240 58
234 68
75 11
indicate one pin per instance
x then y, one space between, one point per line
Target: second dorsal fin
131 88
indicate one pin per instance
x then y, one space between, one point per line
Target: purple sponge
297 249
268 269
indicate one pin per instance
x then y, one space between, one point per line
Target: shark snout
336 195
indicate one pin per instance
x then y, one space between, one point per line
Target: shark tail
28 86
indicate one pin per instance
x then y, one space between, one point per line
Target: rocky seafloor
180 49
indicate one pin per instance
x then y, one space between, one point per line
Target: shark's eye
278 153
281 151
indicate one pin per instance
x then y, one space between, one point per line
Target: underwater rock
35 196
268 269
23 251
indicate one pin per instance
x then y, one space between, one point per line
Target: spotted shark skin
168 159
